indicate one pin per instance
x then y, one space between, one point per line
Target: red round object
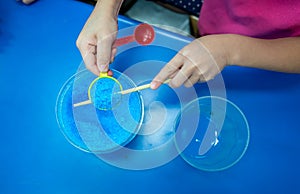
144 34
110 73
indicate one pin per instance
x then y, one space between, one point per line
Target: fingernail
102 68
153 85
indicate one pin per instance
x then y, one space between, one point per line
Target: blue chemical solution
91 129
120 125
64 114
104 93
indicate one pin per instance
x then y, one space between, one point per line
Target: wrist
219 47
233 44
109 8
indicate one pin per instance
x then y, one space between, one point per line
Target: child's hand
95 41
28 1
199 61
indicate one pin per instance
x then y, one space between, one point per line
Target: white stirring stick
82 103
142 87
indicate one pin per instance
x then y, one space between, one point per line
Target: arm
281 54
205 57
98 35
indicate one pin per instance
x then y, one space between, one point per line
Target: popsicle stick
142 87
82 103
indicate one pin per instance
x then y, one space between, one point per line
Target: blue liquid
94 130
65 116
104 93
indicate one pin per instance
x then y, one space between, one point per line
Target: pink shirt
255 18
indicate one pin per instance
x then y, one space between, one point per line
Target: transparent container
212 133
94 130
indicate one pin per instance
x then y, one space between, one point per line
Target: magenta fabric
262 19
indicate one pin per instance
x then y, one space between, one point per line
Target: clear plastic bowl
212 133
94 130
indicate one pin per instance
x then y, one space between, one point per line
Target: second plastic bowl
212 133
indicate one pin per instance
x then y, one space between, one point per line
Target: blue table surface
38 54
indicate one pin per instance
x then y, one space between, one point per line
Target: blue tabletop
38 54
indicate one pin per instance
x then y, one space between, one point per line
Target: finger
168 70
89 57
104 51
202 79
113 54
173 74
192 80
27 1
90 63
183 75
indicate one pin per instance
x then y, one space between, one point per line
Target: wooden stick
82 103
142 87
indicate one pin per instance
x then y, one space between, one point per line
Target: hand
96 39
200 61
28 1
